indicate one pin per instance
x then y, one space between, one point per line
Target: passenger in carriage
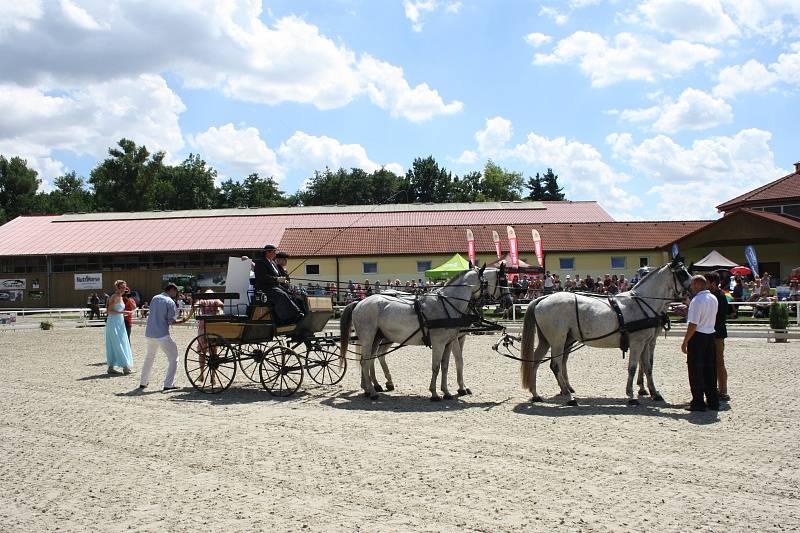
281 260
269 282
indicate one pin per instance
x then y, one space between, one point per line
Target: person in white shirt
699 347
548 283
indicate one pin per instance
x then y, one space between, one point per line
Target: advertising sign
496 239
471 247
537 247
88 281
211 279
675 250
513 250
11 296
12 284
752 259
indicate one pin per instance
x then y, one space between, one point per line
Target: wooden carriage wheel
250 357
323 365
210 363
281 371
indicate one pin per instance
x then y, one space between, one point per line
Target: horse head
680 276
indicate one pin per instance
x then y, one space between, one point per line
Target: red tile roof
785 188
783 220
165 232
406 240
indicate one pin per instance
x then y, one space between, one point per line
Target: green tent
453 266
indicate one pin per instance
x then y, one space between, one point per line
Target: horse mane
649 277
459 277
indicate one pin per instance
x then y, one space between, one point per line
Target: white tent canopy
714 261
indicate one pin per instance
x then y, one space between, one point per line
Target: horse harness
650 321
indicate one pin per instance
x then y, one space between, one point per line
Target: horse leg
538 355
367 365
636 353
436 361
378 350
559 370
459 355
445 365
647 366
566 375
640 380
385 367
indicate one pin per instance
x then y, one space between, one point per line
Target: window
566 263
422 266
370 268
618 262
312 270
644 261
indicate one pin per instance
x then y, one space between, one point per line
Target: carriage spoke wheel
210 363
281 371
250 357
323 365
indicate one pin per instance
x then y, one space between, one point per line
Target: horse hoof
389 387
572 390
643 393
374 396
537 399
447 397
469 392
633 401
572 403
436 399
658 398
378 388
462 392
366 394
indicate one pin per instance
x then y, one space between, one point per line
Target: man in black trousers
720 334
268 281
699 347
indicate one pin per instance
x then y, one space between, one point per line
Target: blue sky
659 109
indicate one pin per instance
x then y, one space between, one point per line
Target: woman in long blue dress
118 347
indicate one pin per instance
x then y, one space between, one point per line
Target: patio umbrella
741 271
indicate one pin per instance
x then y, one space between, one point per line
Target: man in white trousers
163 313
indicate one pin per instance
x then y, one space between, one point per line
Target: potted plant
779 321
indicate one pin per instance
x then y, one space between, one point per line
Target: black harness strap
624 340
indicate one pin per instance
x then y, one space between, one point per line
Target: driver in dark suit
268 280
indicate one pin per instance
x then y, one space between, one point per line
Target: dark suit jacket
266 275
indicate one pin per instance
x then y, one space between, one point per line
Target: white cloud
767 18
19 15
308 152
731 164
580 166
557 16
693 110
415 10
238 152
754 76
222 45
537 39
89 120
388 89
628 57
693 20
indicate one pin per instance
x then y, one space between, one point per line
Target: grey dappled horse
383 319
563 319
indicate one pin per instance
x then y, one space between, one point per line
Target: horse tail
345 322
529 328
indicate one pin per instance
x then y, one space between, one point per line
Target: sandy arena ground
86 452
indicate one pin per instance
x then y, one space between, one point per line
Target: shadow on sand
403 403
554 407
232 396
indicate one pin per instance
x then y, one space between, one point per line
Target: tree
499 184
262 192
427 182
551 189
126 180
70 195
545 187
18 185
192 184
467 188
231 194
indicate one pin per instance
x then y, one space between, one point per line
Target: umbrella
741 271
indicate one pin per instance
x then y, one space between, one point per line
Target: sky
658 109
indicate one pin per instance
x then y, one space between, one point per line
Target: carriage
277 356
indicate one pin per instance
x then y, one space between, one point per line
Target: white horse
564 319
382 319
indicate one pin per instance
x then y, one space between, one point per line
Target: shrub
778 316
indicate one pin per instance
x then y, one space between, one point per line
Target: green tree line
133 179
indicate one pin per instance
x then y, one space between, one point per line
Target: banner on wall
752 258
211 279
471 248
537 247
513 249
88 281
12 284
496 240
11 296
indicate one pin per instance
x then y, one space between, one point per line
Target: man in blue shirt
162 314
